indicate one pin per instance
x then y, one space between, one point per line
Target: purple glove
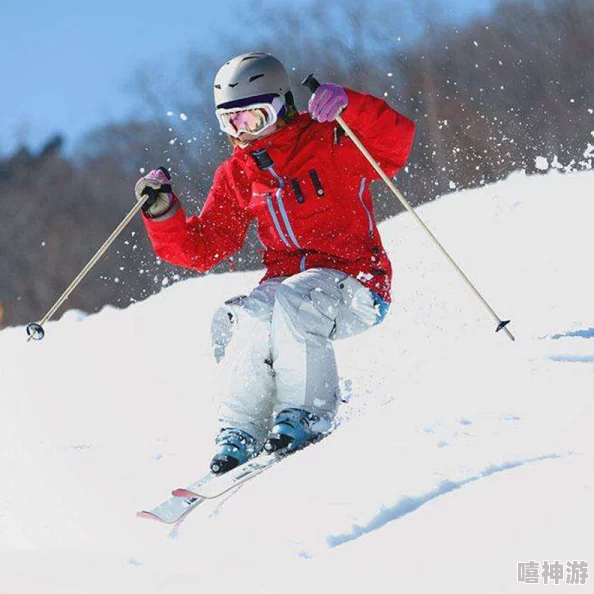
157 180
327 102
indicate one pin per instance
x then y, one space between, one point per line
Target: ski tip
147 516
183 493
150 516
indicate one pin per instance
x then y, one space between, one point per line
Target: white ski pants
274 346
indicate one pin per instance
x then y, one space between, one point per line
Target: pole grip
152 193
312 83
165 171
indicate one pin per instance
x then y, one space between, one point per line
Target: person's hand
159 203
327 102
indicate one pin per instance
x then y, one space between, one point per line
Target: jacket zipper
276 221
369 217
302 262
281 206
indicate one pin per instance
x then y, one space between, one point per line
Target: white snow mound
460 454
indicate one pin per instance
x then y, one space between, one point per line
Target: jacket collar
280 146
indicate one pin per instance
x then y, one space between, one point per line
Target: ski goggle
251 119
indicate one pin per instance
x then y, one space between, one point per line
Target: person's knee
307 311
288 298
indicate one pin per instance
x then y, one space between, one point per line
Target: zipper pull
316 182
297 189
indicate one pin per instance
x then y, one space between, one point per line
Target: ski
173 510
212 486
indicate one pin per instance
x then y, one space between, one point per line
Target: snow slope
460 453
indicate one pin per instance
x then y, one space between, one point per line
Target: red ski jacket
307 186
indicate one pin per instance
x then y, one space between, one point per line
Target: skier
328 276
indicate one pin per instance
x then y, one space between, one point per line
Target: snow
459 455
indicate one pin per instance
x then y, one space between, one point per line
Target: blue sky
68 65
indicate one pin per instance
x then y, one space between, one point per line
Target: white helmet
250 76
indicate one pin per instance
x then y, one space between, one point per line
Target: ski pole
35 330
312 84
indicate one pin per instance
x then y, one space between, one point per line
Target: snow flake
169 113
541 163
183 117
556 163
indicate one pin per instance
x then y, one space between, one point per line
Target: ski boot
235 447
294 428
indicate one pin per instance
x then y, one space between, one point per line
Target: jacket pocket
313 182
308 198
